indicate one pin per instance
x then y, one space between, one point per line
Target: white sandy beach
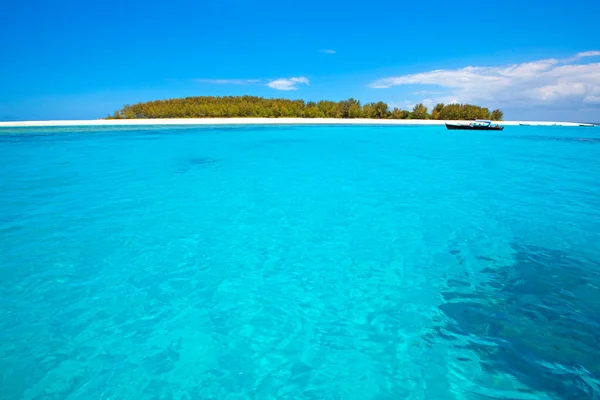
259 121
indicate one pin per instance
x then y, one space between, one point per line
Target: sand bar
259 121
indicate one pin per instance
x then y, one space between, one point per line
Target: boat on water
587 125
478 125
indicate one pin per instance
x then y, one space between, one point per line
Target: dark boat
478 125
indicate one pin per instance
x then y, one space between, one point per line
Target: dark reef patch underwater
537 319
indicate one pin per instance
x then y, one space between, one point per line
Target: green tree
354 108
396 113
497 115
435 113
369 110
311 110
419 112
380 110
329 109
463 112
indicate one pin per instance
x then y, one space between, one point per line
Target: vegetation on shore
259 107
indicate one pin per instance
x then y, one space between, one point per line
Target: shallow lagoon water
325 262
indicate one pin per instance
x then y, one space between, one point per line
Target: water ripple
298 262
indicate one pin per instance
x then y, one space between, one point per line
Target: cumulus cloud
287 83
328 51
550 81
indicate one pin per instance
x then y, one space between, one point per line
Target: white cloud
278 84
593 53
426 92
591 99
228 81
287 83
569 82
328 51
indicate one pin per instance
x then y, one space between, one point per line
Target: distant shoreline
258 121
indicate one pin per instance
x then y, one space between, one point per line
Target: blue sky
76 60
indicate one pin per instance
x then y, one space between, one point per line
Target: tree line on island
259 107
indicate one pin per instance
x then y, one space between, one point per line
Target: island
259 107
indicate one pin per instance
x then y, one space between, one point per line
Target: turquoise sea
299 262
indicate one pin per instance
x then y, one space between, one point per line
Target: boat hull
473 128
